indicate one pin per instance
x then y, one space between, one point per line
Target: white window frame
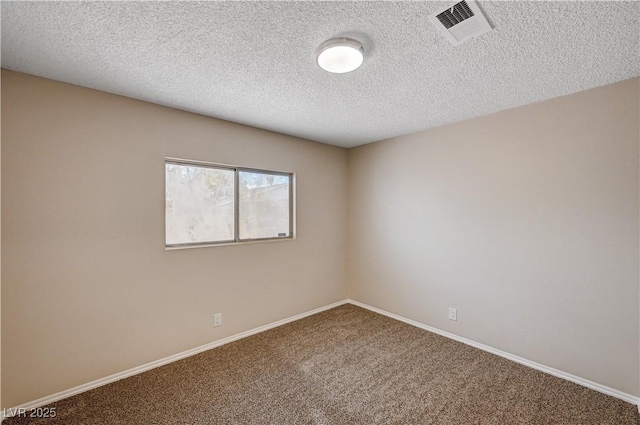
236 203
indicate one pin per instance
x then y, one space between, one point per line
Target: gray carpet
343 366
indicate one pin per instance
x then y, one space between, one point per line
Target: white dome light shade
340 55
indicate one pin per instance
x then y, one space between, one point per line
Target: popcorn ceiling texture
254 62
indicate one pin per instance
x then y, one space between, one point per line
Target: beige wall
526 221
88 289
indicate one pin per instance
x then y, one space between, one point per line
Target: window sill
209 245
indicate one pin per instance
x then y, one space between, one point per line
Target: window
212 204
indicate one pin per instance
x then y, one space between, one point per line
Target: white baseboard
551 371
161 362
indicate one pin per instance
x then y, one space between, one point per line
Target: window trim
236 201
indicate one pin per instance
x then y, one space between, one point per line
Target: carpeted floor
343 366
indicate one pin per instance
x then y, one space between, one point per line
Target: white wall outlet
217 319
453 314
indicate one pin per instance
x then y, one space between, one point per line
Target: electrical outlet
217 319
453 314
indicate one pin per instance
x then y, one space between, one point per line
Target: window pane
264 205
199 204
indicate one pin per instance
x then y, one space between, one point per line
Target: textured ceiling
254 63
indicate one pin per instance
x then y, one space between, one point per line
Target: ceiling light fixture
340 55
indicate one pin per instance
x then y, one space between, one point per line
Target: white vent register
461 21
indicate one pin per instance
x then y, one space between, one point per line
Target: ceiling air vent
460 21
